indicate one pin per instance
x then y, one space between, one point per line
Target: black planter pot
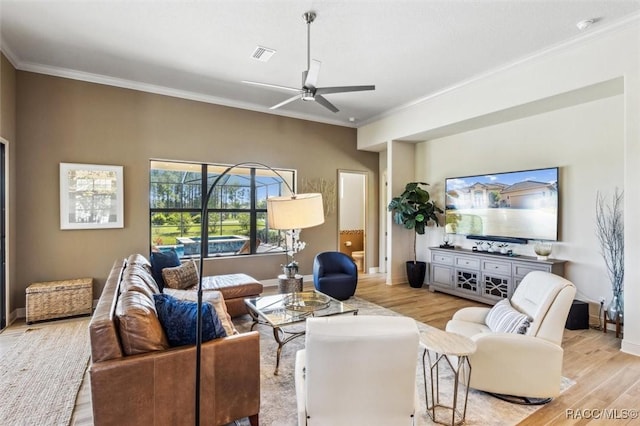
416 273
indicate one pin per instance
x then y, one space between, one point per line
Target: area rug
42 372
278 401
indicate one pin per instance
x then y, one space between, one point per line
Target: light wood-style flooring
605 377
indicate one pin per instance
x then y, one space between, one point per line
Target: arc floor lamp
293 211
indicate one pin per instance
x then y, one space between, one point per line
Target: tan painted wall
7 99
8 133
62 120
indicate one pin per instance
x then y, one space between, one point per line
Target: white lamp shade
295 212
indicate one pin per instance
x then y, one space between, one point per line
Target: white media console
483 276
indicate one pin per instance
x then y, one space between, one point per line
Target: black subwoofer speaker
578 318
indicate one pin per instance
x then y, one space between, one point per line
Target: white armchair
357 370
524 365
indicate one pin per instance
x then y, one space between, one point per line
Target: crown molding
619 25
161 90
633 19
8 53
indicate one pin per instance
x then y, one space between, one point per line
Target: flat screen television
509 207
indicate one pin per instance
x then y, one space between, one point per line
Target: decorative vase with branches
610 232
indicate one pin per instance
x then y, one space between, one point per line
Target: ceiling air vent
262 54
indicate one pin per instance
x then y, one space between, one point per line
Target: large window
237 219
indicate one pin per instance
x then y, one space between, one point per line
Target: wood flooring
607 380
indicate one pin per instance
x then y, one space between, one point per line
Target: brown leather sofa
136 379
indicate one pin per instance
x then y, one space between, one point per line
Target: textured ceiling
201 49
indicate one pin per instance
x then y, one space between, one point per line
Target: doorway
3 239
352 201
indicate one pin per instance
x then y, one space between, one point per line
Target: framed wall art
91 196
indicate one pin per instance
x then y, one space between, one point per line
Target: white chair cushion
502 318
535 295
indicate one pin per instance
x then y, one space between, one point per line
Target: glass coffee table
281 310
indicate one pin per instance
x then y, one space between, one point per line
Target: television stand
483 276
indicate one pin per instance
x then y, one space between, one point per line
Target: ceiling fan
309 91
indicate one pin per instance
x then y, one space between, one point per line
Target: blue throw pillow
178 319
159 261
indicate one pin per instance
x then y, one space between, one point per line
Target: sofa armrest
158 387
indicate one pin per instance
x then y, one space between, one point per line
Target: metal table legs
461 366
281 337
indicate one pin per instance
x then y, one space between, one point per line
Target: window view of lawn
166 228
237 208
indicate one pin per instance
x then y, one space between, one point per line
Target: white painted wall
385 217
352 194
587 143
400 160
607 55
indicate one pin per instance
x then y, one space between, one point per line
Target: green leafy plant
414 209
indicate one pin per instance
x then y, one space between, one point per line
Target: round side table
289 285
441 347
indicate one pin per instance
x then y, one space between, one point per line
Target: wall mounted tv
510 207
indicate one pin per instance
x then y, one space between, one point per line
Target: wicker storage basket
59 299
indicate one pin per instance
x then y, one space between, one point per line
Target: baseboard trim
20 313
630 347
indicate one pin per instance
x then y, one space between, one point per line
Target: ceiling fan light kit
309 90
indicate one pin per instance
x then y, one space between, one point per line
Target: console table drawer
442 259
468 263
522 269
497 267
481 276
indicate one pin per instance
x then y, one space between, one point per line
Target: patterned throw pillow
181 277
503 318
179 317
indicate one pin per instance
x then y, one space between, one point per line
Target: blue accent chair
335 274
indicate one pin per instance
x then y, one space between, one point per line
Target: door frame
5 288
365 200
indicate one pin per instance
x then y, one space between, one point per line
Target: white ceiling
409 49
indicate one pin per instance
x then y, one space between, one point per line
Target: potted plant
414 209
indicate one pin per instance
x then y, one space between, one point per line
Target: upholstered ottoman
59 299
234 288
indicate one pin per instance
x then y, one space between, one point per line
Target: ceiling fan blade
271 86
286 102
312 74
326 90
325 103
